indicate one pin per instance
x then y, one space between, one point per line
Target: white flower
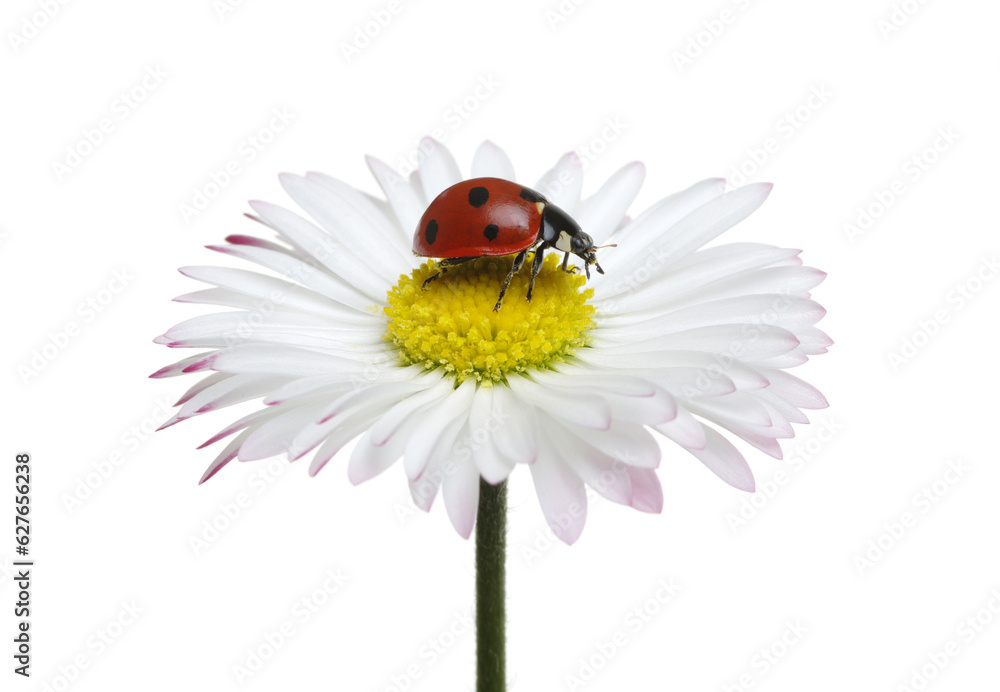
678 338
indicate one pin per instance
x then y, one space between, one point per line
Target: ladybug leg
570 270
518 261
536 266
443 265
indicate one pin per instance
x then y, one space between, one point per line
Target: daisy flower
340 342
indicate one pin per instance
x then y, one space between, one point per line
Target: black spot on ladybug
491 232
532 196
478 196
431 231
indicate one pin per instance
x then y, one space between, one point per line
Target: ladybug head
582 245
565 235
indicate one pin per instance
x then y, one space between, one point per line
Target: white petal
562 184
659 288
342 220
233 390
791 359
789 412
275 436
663 239
283 360
490 161
763 438
202 384
461 497
275 326
583 408
750 342
339 429
365 212
813 340
390 422
250 421
598 470
689 382
487 423
786 280
561 493
225 456
519 443
381 394
270 289
424 490
714 365
405 201
627 442
647 493
420 446
438 170
601 214
343 429
685 430
386 440
790 313
794 390
739 407
308 275
369 459
724 460
654 222
573 376
337 255
629 398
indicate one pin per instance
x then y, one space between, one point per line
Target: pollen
452 324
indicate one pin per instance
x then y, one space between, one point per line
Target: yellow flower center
452 324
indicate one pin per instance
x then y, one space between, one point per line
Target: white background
558 80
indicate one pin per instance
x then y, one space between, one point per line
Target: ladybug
490 217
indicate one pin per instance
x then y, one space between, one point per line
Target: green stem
491 621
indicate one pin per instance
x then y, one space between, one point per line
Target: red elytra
491 217
482 217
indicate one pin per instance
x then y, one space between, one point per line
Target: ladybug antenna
608 245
